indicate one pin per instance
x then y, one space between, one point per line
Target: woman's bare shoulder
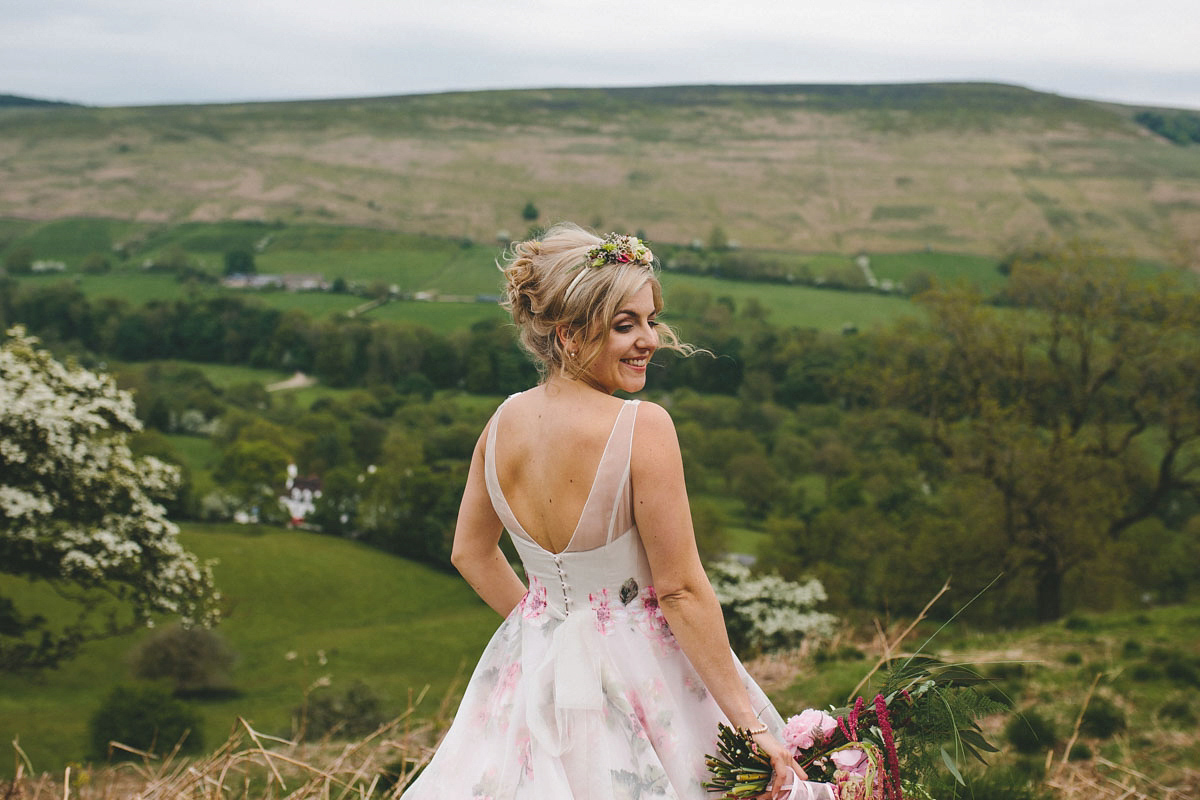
654 426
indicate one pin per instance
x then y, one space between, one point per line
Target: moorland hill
885 168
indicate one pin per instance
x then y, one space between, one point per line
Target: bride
612 668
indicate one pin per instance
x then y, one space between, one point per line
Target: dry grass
249 764
252 764
1101 779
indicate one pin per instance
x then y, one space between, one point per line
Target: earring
571 353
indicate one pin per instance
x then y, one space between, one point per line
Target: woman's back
548 448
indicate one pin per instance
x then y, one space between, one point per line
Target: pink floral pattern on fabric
533 604
696 686
500 699
603 611
524 747
654 623
637 715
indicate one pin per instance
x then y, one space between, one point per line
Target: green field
802 306
979 271
422 263
440 317
373 258
391 623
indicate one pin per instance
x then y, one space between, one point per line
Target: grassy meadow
298 607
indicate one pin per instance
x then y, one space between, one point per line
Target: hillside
298 607
953 167
18 101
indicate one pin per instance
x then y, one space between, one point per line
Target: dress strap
492 480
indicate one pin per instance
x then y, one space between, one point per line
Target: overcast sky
139 52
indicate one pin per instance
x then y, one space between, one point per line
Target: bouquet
870 750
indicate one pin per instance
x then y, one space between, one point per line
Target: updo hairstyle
549 285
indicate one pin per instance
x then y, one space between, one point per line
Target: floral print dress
582 693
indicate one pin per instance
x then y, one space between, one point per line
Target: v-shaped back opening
602 486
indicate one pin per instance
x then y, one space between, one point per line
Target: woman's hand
784 769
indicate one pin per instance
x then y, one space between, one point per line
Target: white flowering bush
79 511
765 613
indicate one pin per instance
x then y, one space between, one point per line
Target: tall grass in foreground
251 764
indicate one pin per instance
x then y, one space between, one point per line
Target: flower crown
620 249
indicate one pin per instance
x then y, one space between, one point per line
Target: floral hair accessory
620 249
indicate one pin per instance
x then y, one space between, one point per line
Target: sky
151 52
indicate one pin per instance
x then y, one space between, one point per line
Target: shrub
767 613
1102 719
95 264
1132 647
194 659
1073 657
355 712
1080 752
239 262
1003 670
1182 671
19 261
1030 733
1178 712
850 653
847 652
147 718
1145 672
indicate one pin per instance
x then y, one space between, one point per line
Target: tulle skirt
600 704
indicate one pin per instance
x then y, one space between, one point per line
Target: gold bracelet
756 731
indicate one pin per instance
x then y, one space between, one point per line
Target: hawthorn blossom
75 505
779 612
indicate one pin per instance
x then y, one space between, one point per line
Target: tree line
1049 433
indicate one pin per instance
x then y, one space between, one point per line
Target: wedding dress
583 693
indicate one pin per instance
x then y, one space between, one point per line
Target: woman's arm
476 552
685 595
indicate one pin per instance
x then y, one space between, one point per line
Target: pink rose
807 728
851 760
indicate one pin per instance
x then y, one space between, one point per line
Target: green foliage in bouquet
739 769
935 708
922 720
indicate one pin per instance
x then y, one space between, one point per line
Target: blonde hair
550 286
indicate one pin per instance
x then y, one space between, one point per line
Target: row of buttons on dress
562 581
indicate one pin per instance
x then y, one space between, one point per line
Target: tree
1071 419
717 240
239 262
254 470
530 212
19 260
80 513
95 264
196 660
147 718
